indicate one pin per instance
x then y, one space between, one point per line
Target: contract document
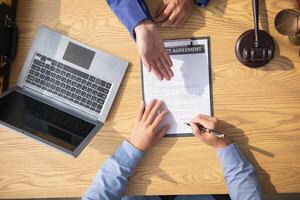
188 93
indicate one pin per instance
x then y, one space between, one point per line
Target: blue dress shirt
111 180
132 12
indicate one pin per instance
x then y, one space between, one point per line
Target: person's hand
146 132
207 138
174 13
152 51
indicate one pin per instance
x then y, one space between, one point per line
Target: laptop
64 92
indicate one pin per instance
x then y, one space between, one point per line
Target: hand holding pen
204 127
206 130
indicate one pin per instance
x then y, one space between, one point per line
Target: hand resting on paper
146 132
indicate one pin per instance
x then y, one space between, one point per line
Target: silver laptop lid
80 59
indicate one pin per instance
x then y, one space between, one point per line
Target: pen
213 132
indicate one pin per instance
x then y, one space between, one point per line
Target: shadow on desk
142 178
279 63
239 137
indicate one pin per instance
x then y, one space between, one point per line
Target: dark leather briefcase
8 39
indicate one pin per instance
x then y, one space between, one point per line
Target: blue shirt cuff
201 3
128 154
130 12
231 156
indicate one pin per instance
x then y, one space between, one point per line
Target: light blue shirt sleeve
111 179
239 174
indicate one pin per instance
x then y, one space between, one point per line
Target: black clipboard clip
191 43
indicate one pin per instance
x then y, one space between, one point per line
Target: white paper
187 94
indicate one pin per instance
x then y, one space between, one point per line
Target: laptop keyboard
66 82
57 117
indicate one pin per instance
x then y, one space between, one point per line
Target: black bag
8 39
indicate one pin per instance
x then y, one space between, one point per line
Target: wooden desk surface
260 106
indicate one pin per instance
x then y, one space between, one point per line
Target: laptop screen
43 121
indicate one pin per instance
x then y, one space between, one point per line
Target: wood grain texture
259 108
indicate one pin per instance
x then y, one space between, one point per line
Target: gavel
255 47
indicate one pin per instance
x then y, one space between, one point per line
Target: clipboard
182 51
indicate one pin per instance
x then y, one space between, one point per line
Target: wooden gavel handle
298 2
